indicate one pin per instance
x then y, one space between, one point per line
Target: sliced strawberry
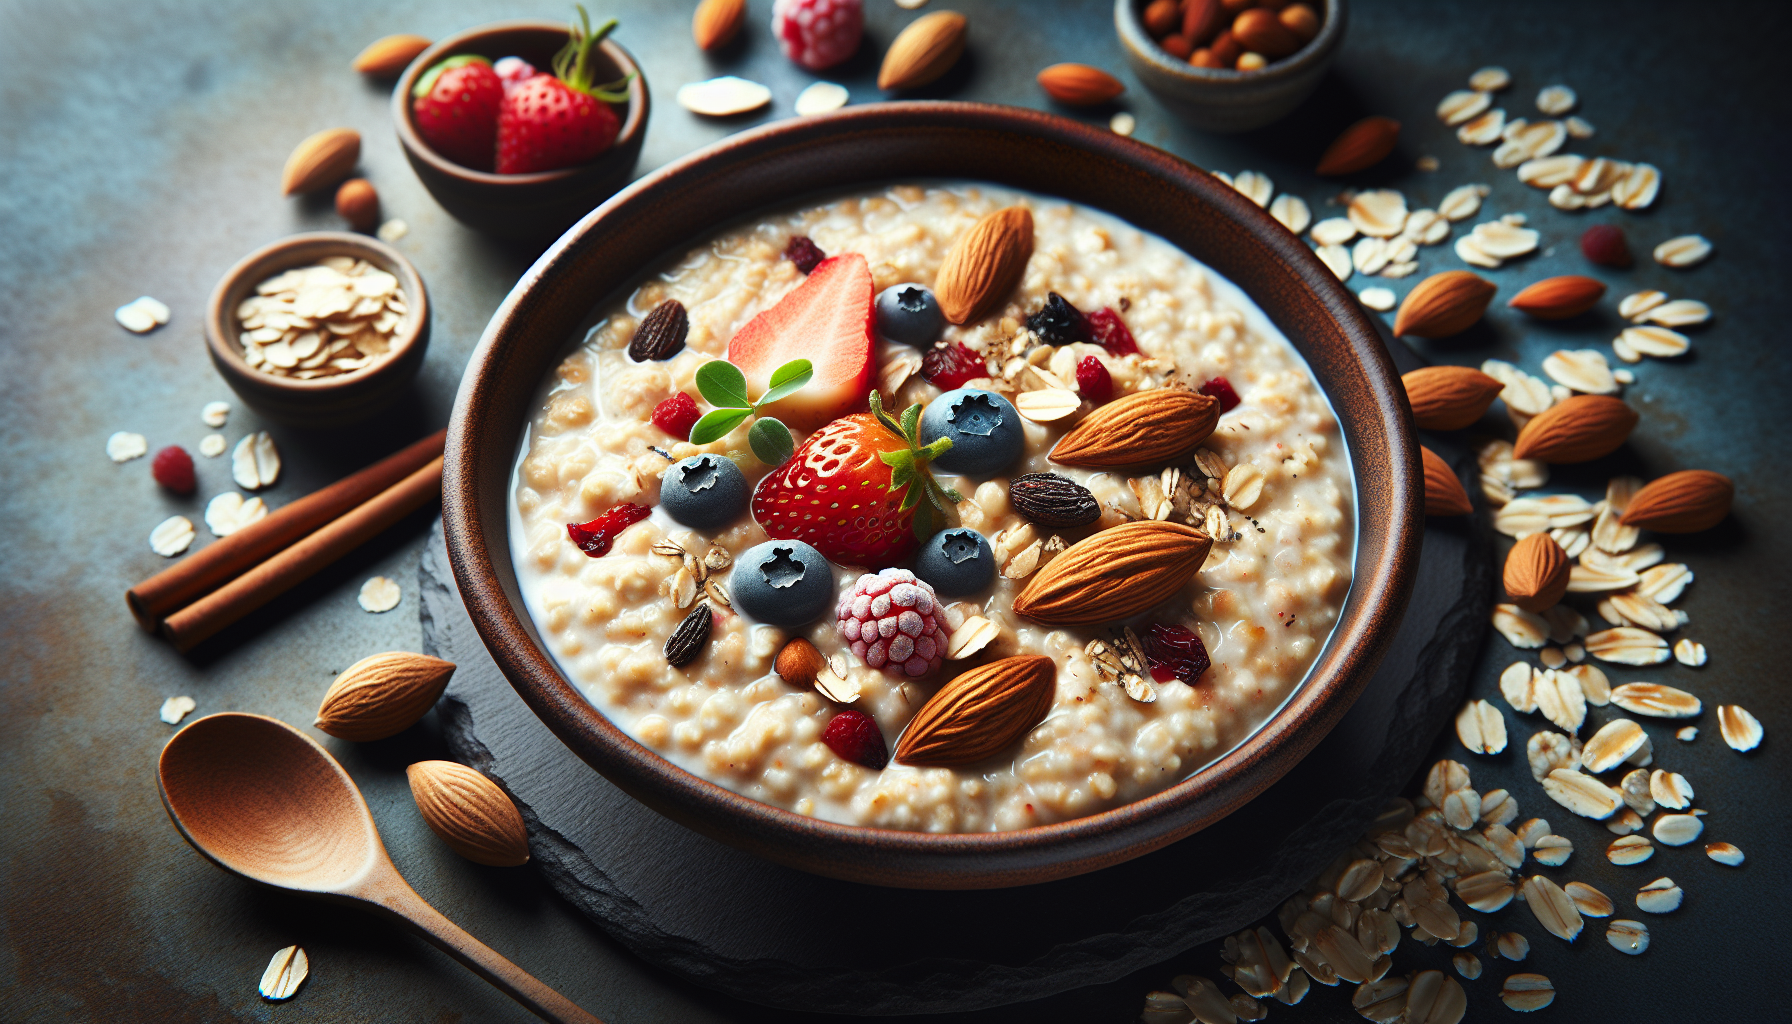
826 320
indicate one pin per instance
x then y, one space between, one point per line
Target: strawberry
854 489
827 320
552 121
455 105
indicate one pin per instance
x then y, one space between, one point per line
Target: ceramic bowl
1224 100
324 401
526 207
781 164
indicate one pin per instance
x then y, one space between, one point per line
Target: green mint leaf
716 424
771 441
911 419
723 386
787 380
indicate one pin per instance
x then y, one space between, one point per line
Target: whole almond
1260 31
1114 574
1577 429
1444 304
980 713
1684 502
382 695
1161 17
1159 425
358 202
1201 20
321 161
469 812
1536 573
717 22
1449 397
923 51
1558 298
385 58
1444 495
1360 146
985 264
799 663
1079 85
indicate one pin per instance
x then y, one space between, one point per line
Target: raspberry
1604 244
173 469
802 251
1175 653
677 415
892 621
1109 331
818 33
856 738
1221 388
1093 380
594 538
948 367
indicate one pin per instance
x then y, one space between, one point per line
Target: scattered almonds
176 708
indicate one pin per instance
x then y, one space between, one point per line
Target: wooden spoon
261 799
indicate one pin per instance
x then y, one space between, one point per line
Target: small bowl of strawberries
520 128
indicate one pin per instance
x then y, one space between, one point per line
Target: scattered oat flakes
1492 78
1336 259
1467 964
1553 909
1628 645
911 5
1625 822
1741 730
1583 370
1556 99
392 230
1724 853
176 708
1334 231
1292 212
1634 305
172 536
1687 734
1462 105
1123 123
125 446
723 97
380 594
215 413
1427 163
1503 241
1684 251
1661 896
821 97
1513 946
1578 127
1255 186
1677 829
1379 299
334 317
1483 130
1463 202
286 972
1521 629
212 445
1369 255
1625 851
1679 313
1637 189
1378 212
1690 653
1628 936
256 462
1660 342
228 513
1582 794
141 315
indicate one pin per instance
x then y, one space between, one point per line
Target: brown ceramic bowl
325 401
1224 100
783 163
528 207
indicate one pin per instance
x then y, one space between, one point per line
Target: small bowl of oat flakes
319 329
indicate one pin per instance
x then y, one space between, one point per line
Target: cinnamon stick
216 564
299 562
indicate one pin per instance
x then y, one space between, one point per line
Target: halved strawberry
826 320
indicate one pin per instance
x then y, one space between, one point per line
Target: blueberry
956 563
783 582
909 313
1058 322
704 492
984 428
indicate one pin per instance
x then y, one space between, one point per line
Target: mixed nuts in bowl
1067 591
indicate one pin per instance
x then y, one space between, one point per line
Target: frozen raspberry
818 33
1109 331
513 72
892 620
677 415
802 251
1175 653
1221 388
173 469
856 738
1093 380
948 367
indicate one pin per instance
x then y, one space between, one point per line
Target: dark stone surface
141 155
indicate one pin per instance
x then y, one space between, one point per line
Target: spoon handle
395 896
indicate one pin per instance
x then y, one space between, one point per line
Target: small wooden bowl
323 401
526 207
1223 100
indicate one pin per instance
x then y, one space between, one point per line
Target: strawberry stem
572 65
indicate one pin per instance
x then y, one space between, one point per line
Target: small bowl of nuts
319 329
1230 65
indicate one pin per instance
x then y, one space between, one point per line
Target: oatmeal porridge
1093 531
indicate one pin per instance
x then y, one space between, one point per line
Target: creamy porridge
1112 717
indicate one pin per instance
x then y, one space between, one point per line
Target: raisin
689 639
661 333
1053 501
802 251
1175 652
1058 322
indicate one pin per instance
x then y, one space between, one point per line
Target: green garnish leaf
787 380
770 440
717 423
723 386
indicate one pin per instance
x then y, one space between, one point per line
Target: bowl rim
635 123
286 253
1315 51
1340 671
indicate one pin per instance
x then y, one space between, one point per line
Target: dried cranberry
1093 380
1058 322
856 738
677 415
950 366
802 251
1221 388
1109 331
1604 244
594 538
1175 653
173 469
